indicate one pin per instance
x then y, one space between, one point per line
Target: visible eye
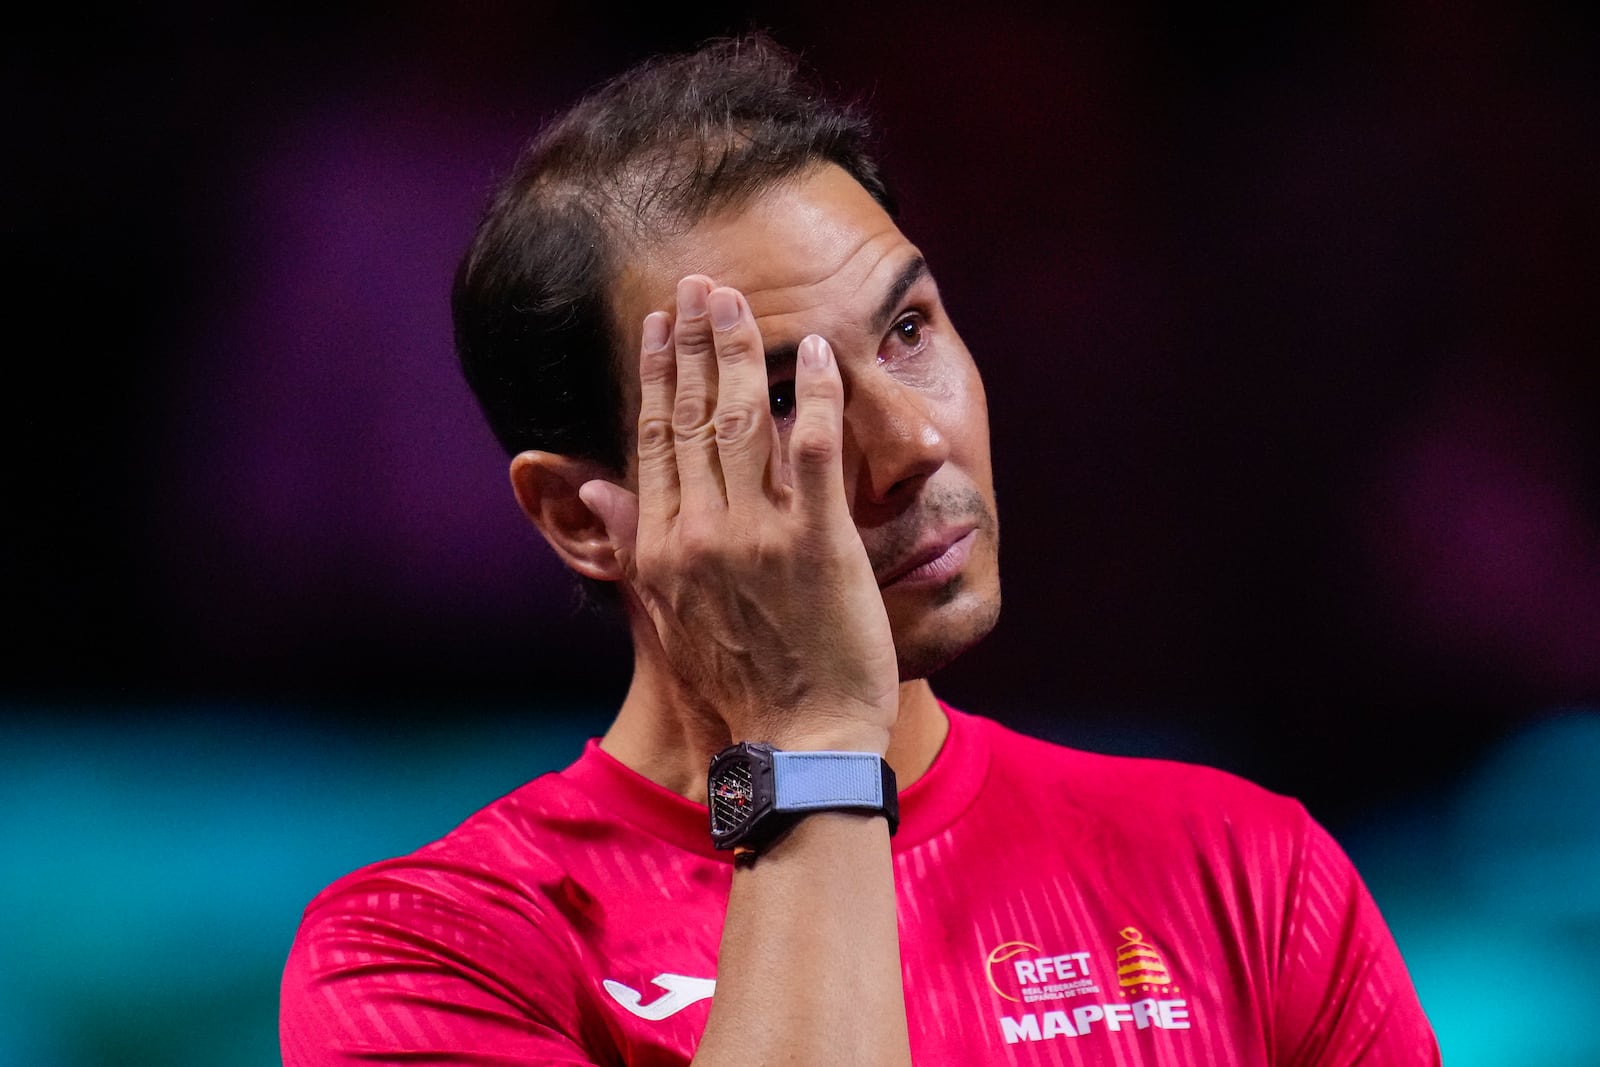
906 335
780 396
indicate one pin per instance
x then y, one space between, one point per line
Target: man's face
819 255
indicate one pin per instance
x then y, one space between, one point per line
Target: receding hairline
636 267
644 287
639 159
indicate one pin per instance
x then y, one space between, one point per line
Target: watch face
739 788
733 799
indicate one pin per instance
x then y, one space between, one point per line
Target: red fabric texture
1056 907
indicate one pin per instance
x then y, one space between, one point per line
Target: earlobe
547 488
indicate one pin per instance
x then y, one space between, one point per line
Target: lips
935 560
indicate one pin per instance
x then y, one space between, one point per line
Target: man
800 527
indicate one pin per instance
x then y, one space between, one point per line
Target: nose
897 442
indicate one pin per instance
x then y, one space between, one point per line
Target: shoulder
1209 822
505 854
459 936
494 891
1151 789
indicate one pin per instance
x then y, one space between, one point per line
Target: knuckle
735 423
690 414
812 446
693 338
699 349
734 346
700 546
656 368
655 435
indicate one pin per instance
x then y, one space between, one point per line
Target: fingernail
724 307
814 351
692 297
657 328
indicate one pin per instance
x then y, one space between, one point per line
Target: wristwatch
756 792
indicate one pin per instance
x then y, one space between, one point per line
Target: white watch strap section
808 781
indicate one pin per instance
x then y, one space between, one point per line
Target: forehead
813 254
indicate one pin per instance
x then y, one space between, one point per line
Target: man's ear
546 485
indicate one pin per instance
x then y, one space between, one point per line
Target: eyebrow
781 357
913 272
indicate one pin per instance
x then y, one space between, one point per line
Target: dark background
1288 321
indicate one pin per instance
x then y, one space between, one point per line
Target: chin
939 634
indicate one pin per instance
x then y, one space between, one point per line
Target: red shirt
1056 907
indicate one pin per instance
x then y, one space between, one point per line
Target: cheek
966 418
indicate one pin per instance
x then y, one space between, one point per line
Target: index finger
658 461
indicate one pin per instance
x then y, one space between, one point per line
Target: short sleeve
1345 997
392 971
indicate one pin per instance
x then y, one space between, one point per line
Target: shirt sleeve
1345 998
392 971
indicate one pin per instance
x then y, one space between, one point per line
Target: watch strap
805 781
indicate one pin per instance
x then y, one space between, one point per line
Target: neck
664 735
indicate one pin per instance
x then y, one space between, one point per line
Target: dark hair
652 151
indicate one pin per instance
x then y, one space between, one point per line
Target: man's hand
745 556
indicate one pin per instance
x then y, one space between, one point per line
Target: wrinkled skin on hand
745 556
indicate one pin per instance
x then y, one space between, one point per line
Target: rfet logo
1023 972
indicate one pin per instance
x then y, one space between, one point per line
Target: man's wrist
807 734
756 792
